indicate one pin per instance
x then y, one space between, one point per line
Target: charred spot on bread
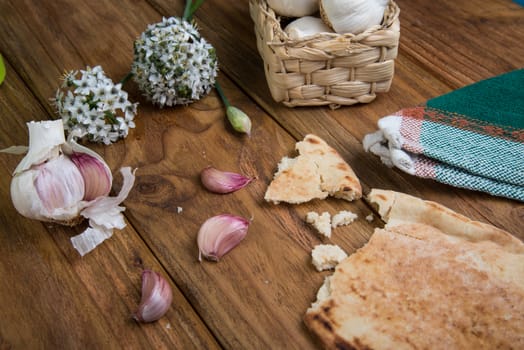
359 345
343 166
325 323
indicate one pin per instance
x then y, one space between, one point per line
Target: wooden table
256 296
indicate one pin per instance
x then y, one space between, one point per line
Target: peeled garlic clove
294 8
306 26
352 16
219 234
156 297
218 181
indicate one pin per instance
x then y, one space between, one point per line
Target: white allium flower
173 64
91 105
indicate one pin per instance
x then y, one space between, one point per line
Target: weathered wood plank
247 299
255 297
50 297
414 83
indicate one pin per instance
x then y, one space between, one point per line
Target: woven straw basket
328 68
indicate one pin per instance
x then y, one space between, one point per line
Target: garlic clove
352 16
51 191
156 299
294 8
306 26
59 184
218 181
97 177
219 234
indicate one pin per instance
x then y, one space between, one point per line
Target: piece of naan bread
431 279
317 172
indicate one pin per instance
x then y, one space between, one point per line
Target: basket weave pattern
329 68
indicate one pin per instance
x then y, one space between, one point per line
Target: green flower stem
221 94
126 78
187 10
2 69
191 8
195 7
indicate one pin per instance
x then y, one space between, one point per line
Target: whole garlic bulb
352 16
61 181
306 26
294 8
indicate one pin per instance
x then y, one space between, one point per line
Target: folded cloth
472 137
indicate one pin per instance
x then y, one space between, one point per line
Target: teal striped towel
471 138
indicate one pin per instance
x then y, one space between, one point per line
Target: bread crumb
179 210
327 256
322 222
370 217
343 218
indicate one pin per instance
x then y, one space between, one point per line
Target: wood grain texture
256 296
416 80
55 299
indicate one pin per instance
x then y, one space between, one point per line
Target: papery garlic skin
219 234
104 215
156 299
46 185
52 191
306 26
61 181
294 8
218 181
352 16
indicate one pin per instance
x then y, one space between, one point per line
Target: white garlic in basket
352 16
306 26
294 8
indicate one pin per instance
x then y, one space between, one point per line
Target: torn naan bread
316 173
430 279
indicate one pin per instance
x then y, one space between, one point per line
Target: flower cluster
173 64
94 107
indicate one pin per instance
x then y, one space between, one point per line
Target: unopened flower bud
239 120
